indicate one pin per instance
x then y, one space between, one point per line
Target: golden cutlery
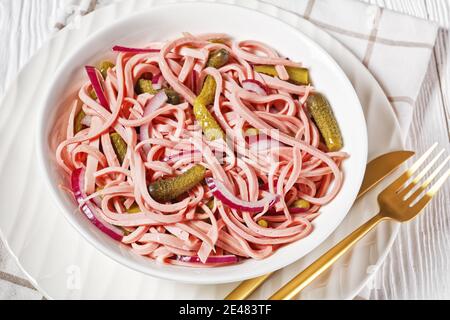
401 201
376 170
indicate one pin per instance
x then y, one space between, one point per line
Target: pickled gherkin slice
206 96
210 204
211 129
301 204
77 125
251 132
269 70
145 86
119 145
297 75
218 59
320 110
92 94
263 223
172 96
218 40
168 189
104 66
134 208
208 123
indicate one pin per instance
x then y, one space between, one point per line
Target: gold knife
376 171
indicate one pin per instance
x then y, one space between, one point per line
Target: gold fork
400 202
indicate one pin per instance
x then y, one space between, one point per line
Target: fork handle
304 278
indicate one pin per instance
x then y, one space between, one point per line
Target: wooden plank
421 253
439 11
24 26
412 7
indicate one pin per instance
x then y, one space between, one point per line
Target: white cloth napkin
396 48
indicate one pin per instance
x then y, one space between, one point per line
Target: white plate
158 24
62 265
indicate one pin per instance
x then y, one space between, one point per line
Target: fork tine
429 180
422 174
430 194
422 159
422 203
429 166
439 184
404 177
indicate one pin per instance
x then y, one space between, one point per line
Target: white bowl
166 22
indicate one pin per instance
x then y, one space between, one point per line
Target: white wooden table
418 267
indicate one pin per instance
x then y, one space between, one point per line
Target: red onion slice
298 210
152 105
77 182
157 81
263 142
255 86
134 50
227 198
264 186
93 74
210 260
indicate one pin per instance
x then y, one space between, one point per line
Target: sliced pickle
218 59
206 96
119 145
104 66
92 94
301 204
250 132
210 127
172 96
320 110
145 86
297 75
210 204
168 189
218 40
77 125
134 208
263 223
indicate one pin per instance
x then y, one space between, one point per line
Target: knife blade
382 167
376 171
